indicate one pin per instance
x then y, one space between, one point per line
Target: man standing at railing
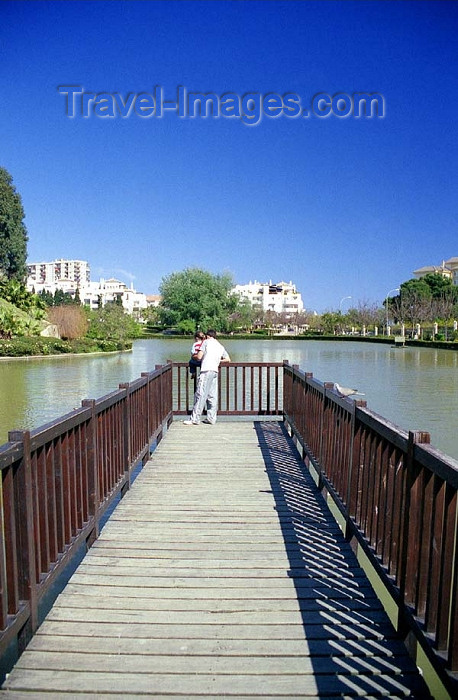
212 353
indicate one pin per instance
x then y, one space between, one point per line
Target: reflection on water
416 388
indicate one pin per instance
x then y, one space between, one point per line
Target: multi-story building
100 293
452 264
153 299
47 274
281 297
448 268
72 275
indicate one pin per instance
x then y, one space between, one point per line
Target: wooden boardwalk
220 574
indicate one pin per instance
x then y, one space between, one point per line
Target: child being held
194 364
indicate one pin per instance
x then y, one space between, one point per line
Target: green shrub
25 347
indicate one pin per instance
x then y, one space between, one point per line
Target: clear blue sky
340 206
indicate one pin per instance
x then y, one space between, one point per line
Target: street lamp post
340 310
386 306
340 305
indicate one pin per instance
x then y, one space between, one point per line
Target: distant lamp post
386 307
340 311
342 300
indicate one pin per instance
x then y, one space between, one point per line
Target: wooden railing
397 496
244 388
57 483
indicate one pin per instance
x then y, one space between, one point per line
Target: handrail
60 479
57 483
397 496
244 389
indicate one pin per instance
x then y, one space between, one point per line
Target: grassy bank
24 347
381 340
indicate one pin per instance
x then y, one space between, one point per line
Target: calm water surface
416 388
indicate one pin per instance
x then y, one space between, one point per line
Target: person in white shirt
212 353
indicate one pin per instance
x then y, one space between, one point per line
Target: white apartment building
281 297
448 268
452 264
105 291
48 274
153 300
73 275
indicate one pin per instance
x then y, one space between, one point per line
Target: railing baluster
25 525
10 577
448 565
57 482
398 493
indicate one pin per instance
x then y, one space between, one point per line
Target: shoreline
433 344
61 355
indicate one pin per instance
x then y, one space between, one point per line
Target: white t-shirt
214 352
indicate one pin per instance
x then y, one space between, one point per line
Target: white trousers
206 393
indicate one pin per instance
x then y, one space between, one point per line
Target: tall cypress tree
13 233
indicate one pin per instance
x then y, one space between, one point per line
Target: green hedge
19 347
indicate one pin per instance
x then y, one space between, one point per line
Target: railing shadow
353 646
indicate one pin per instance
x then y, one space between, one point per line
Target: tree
242 317
70 320
60 298
112 323
13 233
331 321
150 315
366 314
16 293
195 296
444 303
438 284
416 297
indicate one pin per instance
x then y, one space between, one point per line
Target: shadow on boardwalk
348 633
188 593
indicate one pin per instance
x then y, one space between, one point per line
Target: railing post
304 399
178 384
323 424
287 398
27 571
126 435
415 437
3 562
165 406
294 368
453 637
93 485
160 398
148 404
351 458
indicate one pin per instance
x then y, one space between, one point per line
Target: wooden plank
307 590
232 647
210 664
221 573
90 599
374 620
261 686
217 631
50 695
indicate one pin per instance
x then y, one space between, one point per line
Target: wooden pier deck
220 574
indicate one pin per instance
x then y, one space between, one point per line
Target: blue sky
340 206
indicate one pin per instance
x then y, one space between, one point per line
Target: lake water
416 388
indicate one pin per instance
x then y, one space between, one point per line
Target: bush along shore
26 347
